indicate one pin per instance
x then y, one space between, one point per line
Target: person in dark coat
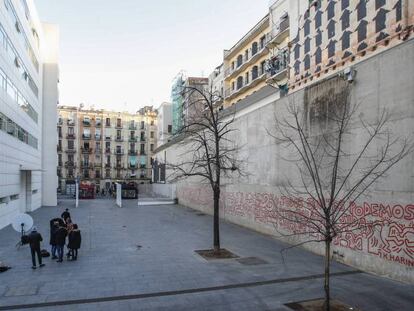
52 242
74 242
34 240
60 242
65 215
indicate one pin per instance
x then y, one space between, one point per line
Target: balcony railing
86 150
143 139
249 58
108 137
86 165
70 136
119 139
118 126
280 32
71 122
86 123
86 137
142 153
98 137
98 124
107 124
119 151
249 83
70 164
107 150
107 165
142 166
119 166
132 127
98 150
132 139
97 164
70 150
132 152
132 166
278 65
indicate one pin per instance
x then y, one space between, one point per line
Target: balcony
143 166
107 150
98 124
132 127
231 93
107 124
59 148
60 163
252 56
97 164
107 165
70 164
132 152
119 139
86 165
142 138
108 137
70 151
119 166
132 139
70 136
279 32
86 137
118 126
98 150
70 122
86 150
86 123
98 137
119 151
132 166
277 67
142 153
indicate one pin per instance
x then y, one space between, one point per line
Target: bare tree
209 153
334 169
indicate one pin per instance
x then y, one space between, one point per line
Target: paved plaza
142 258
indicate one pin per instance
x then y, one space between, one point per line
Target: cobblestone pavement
142 258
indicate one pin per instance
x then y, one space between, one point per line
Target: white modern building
164 121
28 110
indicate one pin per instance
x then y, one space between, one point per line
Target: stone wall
381 81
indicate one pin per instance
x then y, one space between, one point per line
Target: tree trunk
216 228
327 304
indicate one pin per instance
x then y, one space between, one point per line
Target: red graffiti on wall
391 235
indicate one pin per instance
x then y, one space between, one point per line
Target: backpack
44 253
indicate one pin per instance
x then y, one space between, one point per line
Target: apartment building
245 64
164 123
28 99
104 147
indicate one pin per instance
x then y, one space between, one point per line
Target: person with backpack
65 215
34 240
52 242
60 242
74 242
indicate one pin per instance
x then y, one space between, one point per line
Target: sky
123 55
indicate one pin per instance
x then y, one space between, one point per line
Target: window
60 132
262 42
118 134
152 147
142 136
233 86
142 125
151 134
262 67
247 78
71 130
71 144
107 145
169 128
98 121
246 55
239 83
152 122
254 48
118 123
254 73
239 60
142 149
108 122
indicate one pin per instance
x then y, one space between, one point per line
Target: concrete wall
382 81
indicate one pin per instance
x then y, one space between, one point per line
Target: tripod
20 243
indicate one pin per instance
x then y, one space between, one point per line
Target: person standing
53 230
60 242
34 240
74 242
65 215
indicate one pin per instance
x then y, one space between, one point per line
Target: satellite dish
22 222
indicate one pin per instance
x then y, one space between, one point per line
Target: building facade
29 77
104 147
245 64
164 123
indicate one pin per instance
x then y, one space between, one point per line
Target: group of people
60 229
